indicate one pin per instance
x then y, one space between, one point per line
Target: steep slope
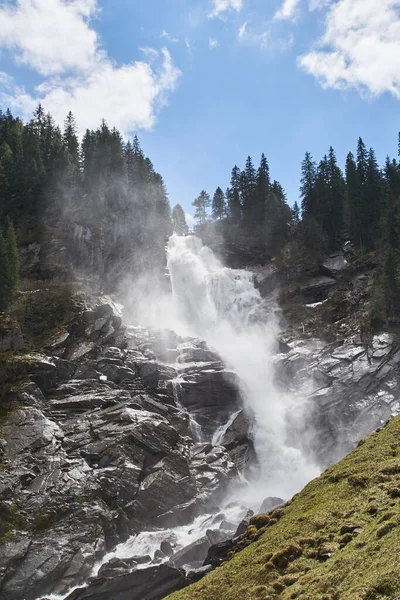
337 539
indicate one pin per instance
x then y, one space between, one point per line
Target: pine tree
70 138
261 207
233 197
248 184
129 158
218 204
309 206
354 198
373 196
179 223
201 203
336 201
362 160
296 213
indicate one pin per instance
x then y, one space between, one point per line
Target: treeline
360 204
51 183
253 208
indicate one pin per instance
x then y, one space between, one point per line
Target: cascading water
222 306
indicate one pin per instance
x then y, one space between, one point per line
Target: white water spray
222 306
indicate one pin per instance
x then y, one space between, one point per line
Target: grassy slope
285 561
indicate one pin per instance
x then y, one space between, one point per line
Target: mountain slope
337 539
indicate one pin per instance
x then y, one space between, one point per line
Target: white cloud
167 36
242 30
213 43
55 39
360 47
50 36
128 96
287 10
267 39
221 6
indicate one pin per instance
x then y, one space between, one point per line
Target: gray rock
166 548
216 536
154 583
197 551
270 503
335 263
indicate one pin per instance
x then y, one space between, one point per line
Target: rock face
100 446
352 389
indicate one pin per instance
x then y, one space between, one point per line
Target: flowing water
223 307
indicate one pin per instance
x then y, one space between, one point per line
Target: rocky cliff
117 443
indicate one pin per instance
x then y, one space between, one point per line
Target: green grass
283 551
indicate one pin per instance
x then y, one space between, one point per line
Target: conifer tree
179 223
70 137
354 198
336 201
248 185
201 203
233 197
296 213
218 204
309 206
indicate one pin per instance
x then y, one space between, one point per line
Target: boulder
269 504
197 551
154 583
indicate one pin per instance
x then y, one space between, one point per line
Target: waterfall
223 307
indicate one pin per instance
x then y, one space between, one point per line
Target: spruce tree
179 223
354 199
336 200
233 197
70 137
201 203
309 206
296 213
248 183
261 208
218 204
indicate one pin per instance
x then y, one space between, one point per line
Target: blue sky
204 83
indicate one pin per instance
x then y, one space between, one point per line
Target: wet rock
211 396
216 536
159 555
244 523
237 439
197 551
166 548
226 525
115 567
154 583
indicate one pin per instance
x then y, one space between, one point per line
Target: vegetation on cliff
338 539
